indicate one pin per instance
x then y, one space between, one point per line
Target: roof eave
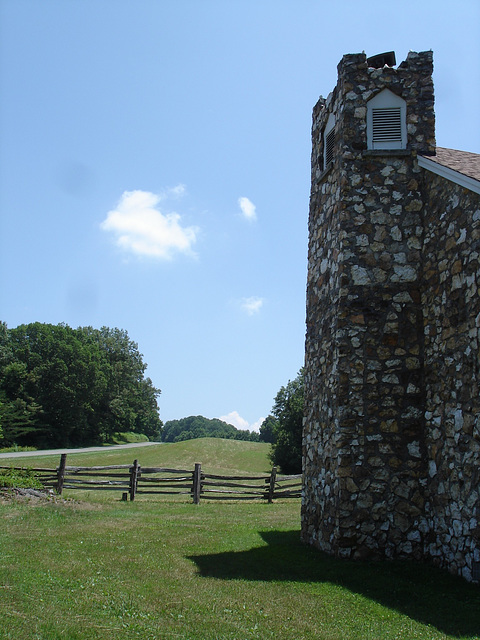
450 174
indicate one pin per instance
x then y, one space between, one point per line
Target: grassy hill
215 454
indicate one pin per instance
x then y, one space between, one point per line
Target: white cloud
235 419
141 228
257 424
252 305
248 209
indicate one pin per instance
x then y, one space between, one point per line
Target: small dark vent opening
382 59
329 144
387 125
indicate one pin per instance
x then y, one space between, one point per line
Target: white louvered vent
387 125
329 144
386 121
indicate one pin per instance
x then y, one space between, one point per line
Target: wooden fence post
271 488
134 472
61 473
197 483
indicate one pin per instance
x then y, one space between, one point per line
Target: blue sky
155 169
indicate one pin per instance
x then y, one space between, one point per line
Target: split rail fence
134 480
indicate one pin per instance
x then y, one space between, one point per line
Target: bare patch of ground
36 497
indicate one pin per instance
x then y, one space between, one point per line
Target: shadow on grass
422 592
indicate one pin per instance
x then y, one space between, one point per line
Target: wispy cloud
248 209
141 228
235 419
252 305
178 191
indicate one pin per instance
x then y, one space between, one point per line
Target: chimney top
382 59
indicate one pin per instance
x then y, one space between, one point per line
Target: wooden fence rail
133 480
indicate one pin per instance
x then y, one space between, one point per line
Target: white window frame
386 121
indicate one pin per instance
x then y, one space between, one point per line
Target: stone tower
364 447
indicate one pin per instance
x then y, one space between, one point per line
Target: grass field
95 567
215 454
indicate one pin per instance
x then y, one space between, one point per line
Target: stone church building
391 441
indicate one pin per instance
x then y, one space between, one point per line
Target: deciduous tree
71 387
288 415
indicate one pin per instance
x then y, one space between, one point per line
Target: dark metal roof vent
382 59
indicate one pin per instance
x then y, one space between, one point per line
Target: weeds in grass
19 478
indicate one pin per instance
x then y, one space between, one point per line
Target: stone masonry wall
324 272
363 436
392 369
451 303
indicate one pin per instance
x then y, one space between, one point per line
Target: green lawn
96 567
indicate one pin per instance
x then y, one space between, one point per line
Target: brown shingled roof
462 161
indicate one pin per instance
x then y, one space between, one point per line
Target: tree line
200 427
63 387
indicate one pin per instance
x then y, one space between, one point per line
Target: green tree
19 420
61 386
61 377
130 400
19 412
288 415
268 430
